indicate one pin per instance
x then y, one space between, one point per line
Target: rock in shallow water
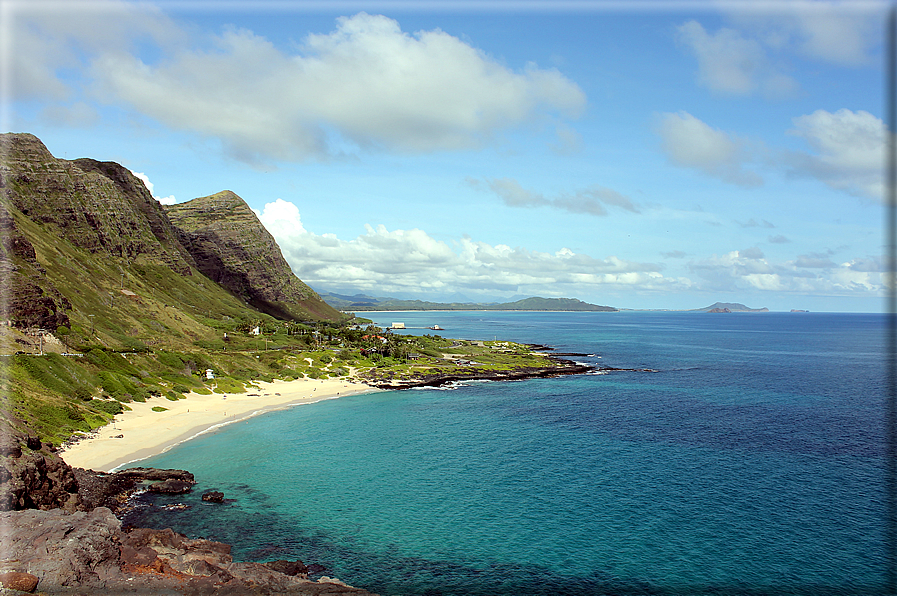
213 496
171 487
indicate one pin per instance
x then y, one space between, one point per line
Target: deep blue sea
751 463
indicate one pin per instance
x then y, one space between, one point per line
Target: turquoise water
750 463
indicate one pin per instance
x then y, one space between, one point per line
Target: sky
646 155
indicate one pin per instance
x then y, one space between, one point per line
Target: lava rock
171 487
17 580
213 496
293 568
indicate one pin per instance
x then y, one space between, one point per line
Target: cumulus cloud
731 64
51 39
751 57
810 273
814 261
778 239
848 151
590 201
382 260
402 262
169 200
367 85
838 33
691 143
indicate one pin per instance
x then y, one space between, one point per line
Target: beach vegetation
109 406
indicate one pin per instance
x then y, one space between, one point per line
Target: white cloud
402 261
169 200
689 142
848 151
367 85
731 64
410 262
44 43
838 33
807 274
590 201
753 57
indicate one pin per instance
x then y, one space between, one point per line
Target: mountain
729 307
232 248
92 269
361 302
76 232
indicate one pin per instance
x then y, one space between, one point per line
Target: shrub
83 394
110 407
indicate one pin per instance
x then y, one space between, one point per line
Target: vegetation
58 394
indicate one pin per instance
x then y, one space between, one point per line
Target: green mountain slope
91 264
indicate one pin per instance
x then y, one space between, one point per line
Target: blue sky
639 155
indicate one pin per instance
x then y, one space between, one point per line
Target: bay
752 462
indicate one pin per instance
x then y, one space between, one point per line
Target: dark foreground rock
89 553
59 535
113 490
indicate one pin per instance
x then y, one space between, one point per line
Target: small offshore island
130 327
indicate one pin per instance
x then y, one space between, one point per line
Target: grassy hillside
136 328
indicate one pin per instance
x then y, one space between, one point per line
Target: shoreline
141 433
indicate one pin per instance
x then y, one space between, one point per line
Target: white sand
146 433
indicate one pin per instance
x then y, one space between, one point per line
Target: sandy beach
141 433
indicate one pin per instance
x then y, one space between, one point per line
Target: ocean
751 462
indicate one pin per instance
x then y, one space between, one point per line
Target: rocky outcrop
32 476
113 490
31 299
59 532
232 247
562 368
88 552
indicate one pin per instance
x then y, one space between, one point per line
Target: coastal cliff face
232 248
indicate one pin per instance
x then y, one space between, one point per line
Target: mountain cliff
98 206
93 268
232 248
77 234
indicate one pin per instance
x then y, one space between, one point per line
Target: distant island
723 307
361 302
